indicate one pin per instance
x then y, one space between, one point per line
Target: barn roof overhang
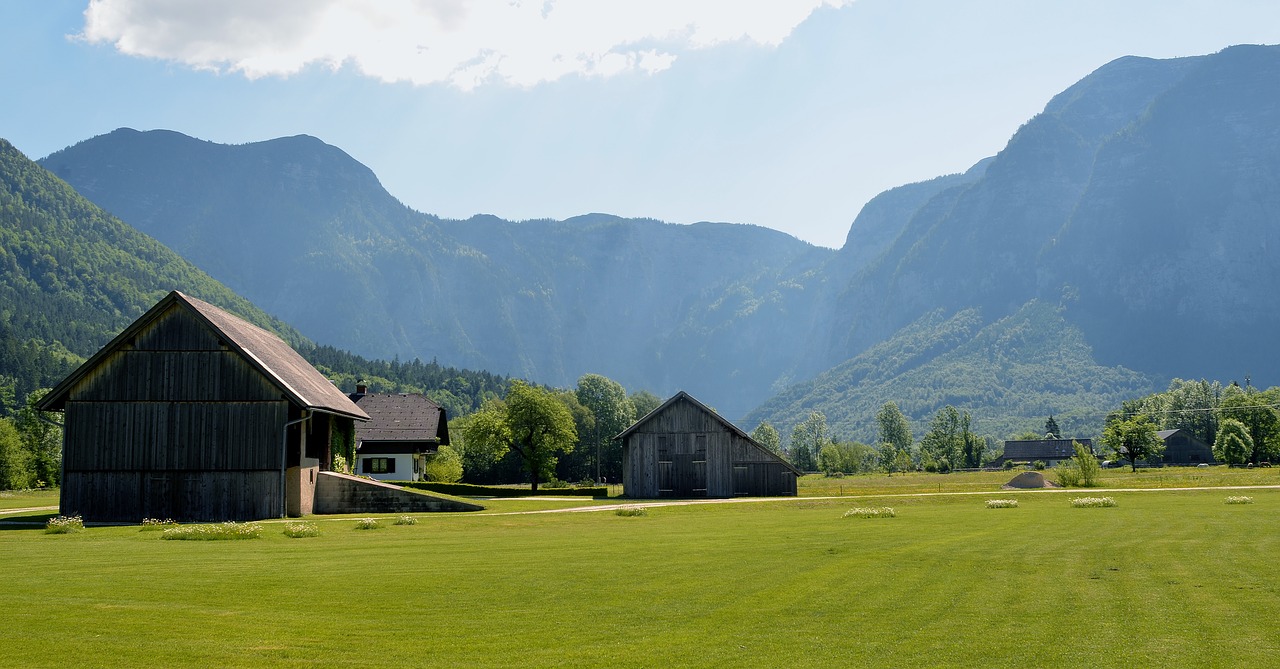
300 383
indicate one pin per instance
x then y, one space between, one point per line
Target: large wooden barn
194 414
684 449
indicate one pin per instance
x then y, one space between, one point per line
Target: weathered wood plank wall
175 426
682 448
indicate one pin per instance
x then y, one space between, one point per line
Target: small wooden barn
194 414
1183 448
402 431
1049 451
684 449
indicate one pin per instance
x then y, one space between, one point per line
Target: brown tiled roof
296 378
401 417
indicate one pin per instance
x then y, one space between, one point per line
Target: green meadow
1165 579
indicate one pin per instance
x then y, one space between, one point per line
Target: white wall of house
388 467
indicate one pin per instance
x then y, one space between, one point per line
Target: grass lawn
1166 579
816 485
22 499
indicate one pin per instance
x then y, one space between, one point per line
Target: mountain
72 276
1018 370
301 228
1130 226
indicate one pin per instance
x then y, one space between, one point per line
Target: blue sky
786 114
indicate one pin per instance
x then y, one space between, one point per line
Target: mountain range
1121 238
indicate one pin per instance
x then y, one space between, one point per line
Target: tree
1254 410
807 440
614 412
1133 439
42 441
767 435
531 422
644 402
578 464
15 462
944 443
1051 430
1233 445
846 458
445 466
895 429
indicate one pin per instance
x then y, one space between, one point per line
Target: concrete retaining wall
341 493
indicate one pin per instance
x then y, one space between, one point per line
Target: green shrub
1002 504
227 531
406 520
871 512
368 524
64 525
631 511
1067 475
1038 465
301 530
443 467
1008 464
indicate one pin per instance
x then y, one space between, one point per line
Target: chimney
361 388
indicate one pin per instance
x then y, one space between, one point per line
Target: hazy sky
789 114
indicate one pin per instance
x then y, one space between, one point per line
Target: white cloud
463 43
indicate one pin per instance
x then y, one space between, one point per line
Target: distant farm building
193 414
1049 451
402 431
684 449
1183 448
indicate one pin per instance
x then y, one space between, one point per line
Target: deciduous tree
1233 445
614 412
767 435
807 440
531 421
1133 439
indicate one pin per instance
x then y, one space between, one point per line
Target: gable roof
682 395
263 350
1042 449
401 417
1165 434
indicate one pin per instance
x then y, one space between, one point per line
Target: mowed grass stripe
946 583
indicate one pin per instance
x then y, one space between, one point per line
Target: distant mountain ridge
1142 203
300 227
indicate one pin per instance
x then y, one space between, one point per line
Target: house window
379 466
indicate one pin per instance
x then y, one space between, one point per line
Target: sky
789 114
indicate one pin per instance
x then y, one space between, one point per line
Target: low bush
301 530
406 520
631 512
153 524
871 512
1038 465
1239 499
1093 502
368 524
227 531
64 525
1002 504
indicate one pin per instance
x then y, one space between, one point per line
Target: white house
404 429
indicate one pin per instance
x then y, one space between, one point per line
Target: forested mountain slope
72 276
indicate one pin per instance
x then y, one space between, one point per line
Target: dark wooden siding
173 426
685 452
